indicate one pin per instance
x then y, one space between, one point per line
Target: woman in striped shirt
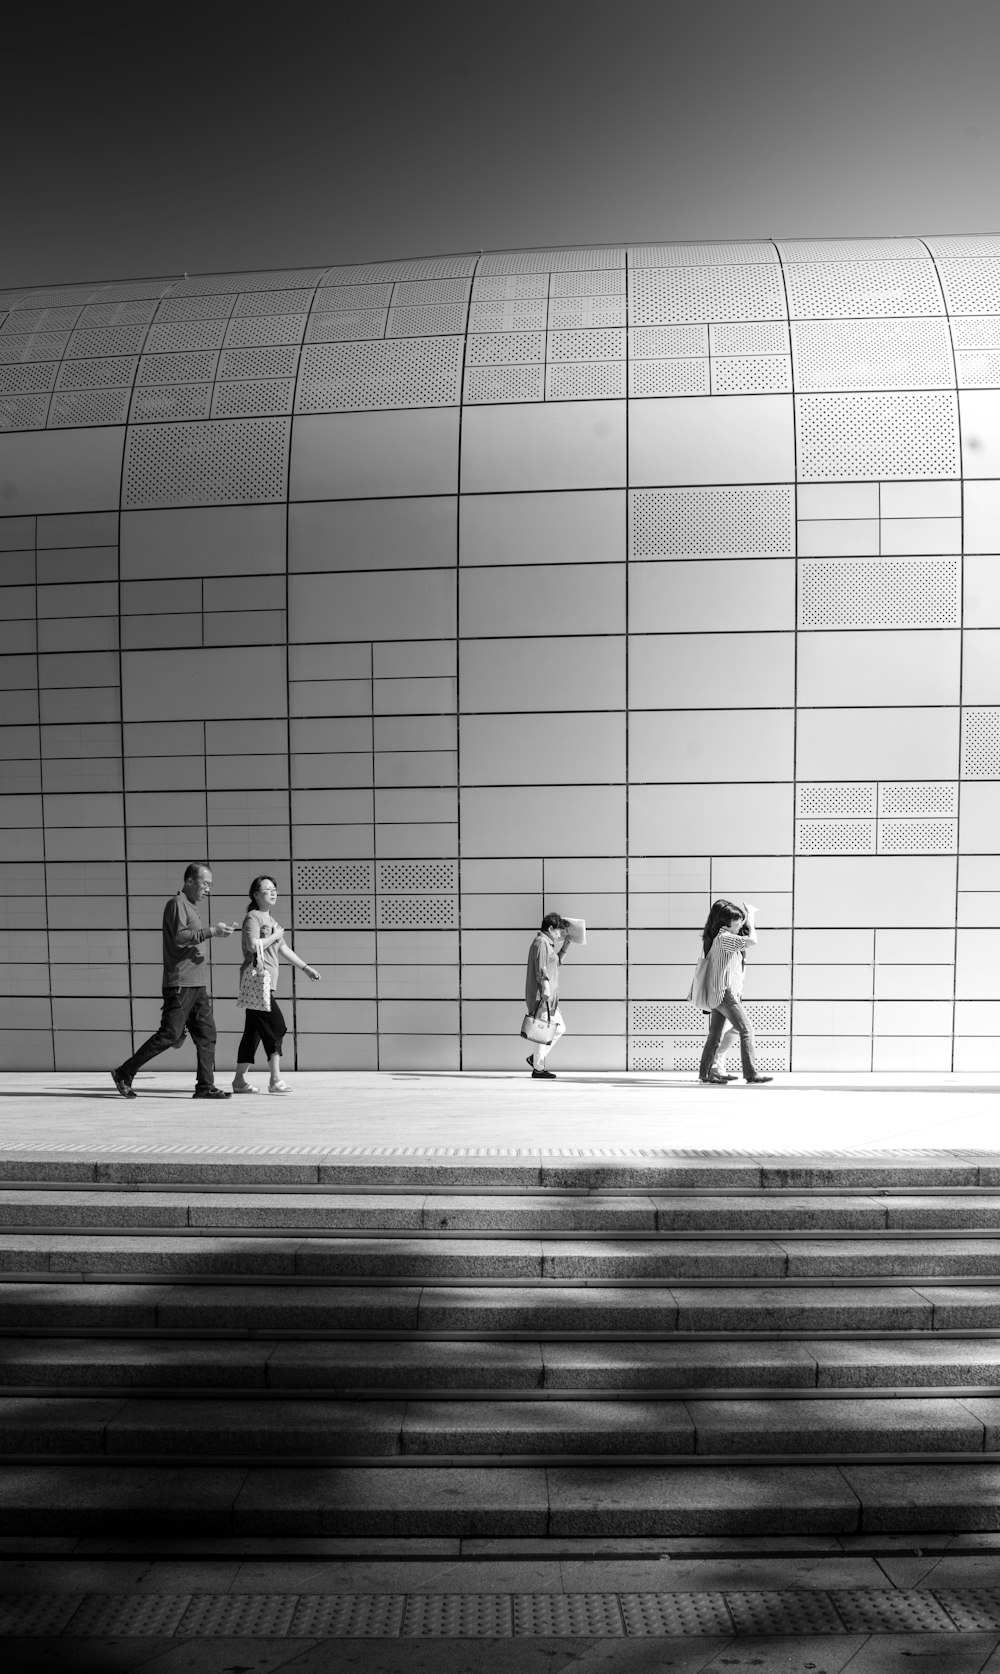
718 986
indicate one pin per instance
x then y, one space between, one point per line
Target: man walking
186 1005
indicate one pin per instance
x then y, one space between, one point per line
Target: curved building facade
452 590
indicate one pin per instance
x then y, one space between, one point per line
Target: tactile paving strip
743 1614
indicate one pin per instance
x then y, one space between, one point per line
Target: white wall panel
981 667
61 471
574 527
564 600
579 749
747 438
982 514
875 667
678 819
726 596
877 744
573 445
667 671
532 675
359 606
211 540
372 534
876 889
580 820
359 455
980 410
186 683
711 744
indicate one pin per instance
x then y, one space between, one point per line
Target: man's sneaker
543 1075
124 1086
210 1093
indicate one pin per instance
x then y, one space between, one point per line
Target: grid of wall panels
362 576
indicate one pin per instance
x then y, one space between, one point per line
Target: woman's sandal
278 1087
244 1087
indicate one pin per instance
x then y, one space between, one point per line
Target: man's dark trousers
183 1009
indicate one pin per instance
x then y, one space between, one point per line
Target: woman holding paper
541 985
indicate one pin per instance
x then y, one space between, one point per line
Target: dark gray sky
224 138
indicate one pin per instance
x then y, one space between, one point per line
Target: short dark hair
195 867
555 921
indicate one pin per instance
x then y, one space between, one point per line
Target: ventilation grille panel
237 462
177 369
596 282
852 290
248 397
41 345
352 297
853 438
278 362
168 335
586 381
765 338
23 412
335 912
415 876
431 321
27 375
484 384
587 311
334 876
659 342
971 286
347 377
920 797
417 912
420 267
118 313
510 287
273 302
917 836
550 261
508 316
265 328
410 292
505 348
872 355
117 340
981 744
720 254
663 296
348 326
97 374
712 522
879 593
751 375
88 406
837 800
167 402
835 836
978 368
196 308
668 377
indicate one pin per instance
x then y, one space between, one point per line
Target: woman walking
263 940
718 987
541 986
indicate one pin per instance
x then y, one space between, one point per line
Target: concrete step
577 1501
531 1310
317 1428
478 1260
549 1211
193 1364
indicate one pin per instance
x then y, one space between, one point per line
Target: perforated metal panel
334 877
508 316
851 249
668 377
432 320
42 319
712 522
23 412
420 267
764 337
585 381
172 401
978 368
196 307
236 462
836 799
277 362
249 397
586 345
115 340
550 261
835 836
981 743
185 334
665 296
879 593
859 437
917 836
920 797
345 326
872 354
963 244
683 1053
209 284
510 286
417 912
605 282
851 290
665 1017
150 288
414 876
591 311
345 377
663 342
352 297
177 369
265 328
61 296
273 302
336 912
27 375
484 384
751 374
40 345
720 254
88 406
971 286
409 292
97 374
505 348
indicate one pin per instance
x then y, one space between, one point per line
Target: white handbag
255 986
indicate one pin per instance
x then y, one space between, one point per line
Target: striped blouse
722 968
